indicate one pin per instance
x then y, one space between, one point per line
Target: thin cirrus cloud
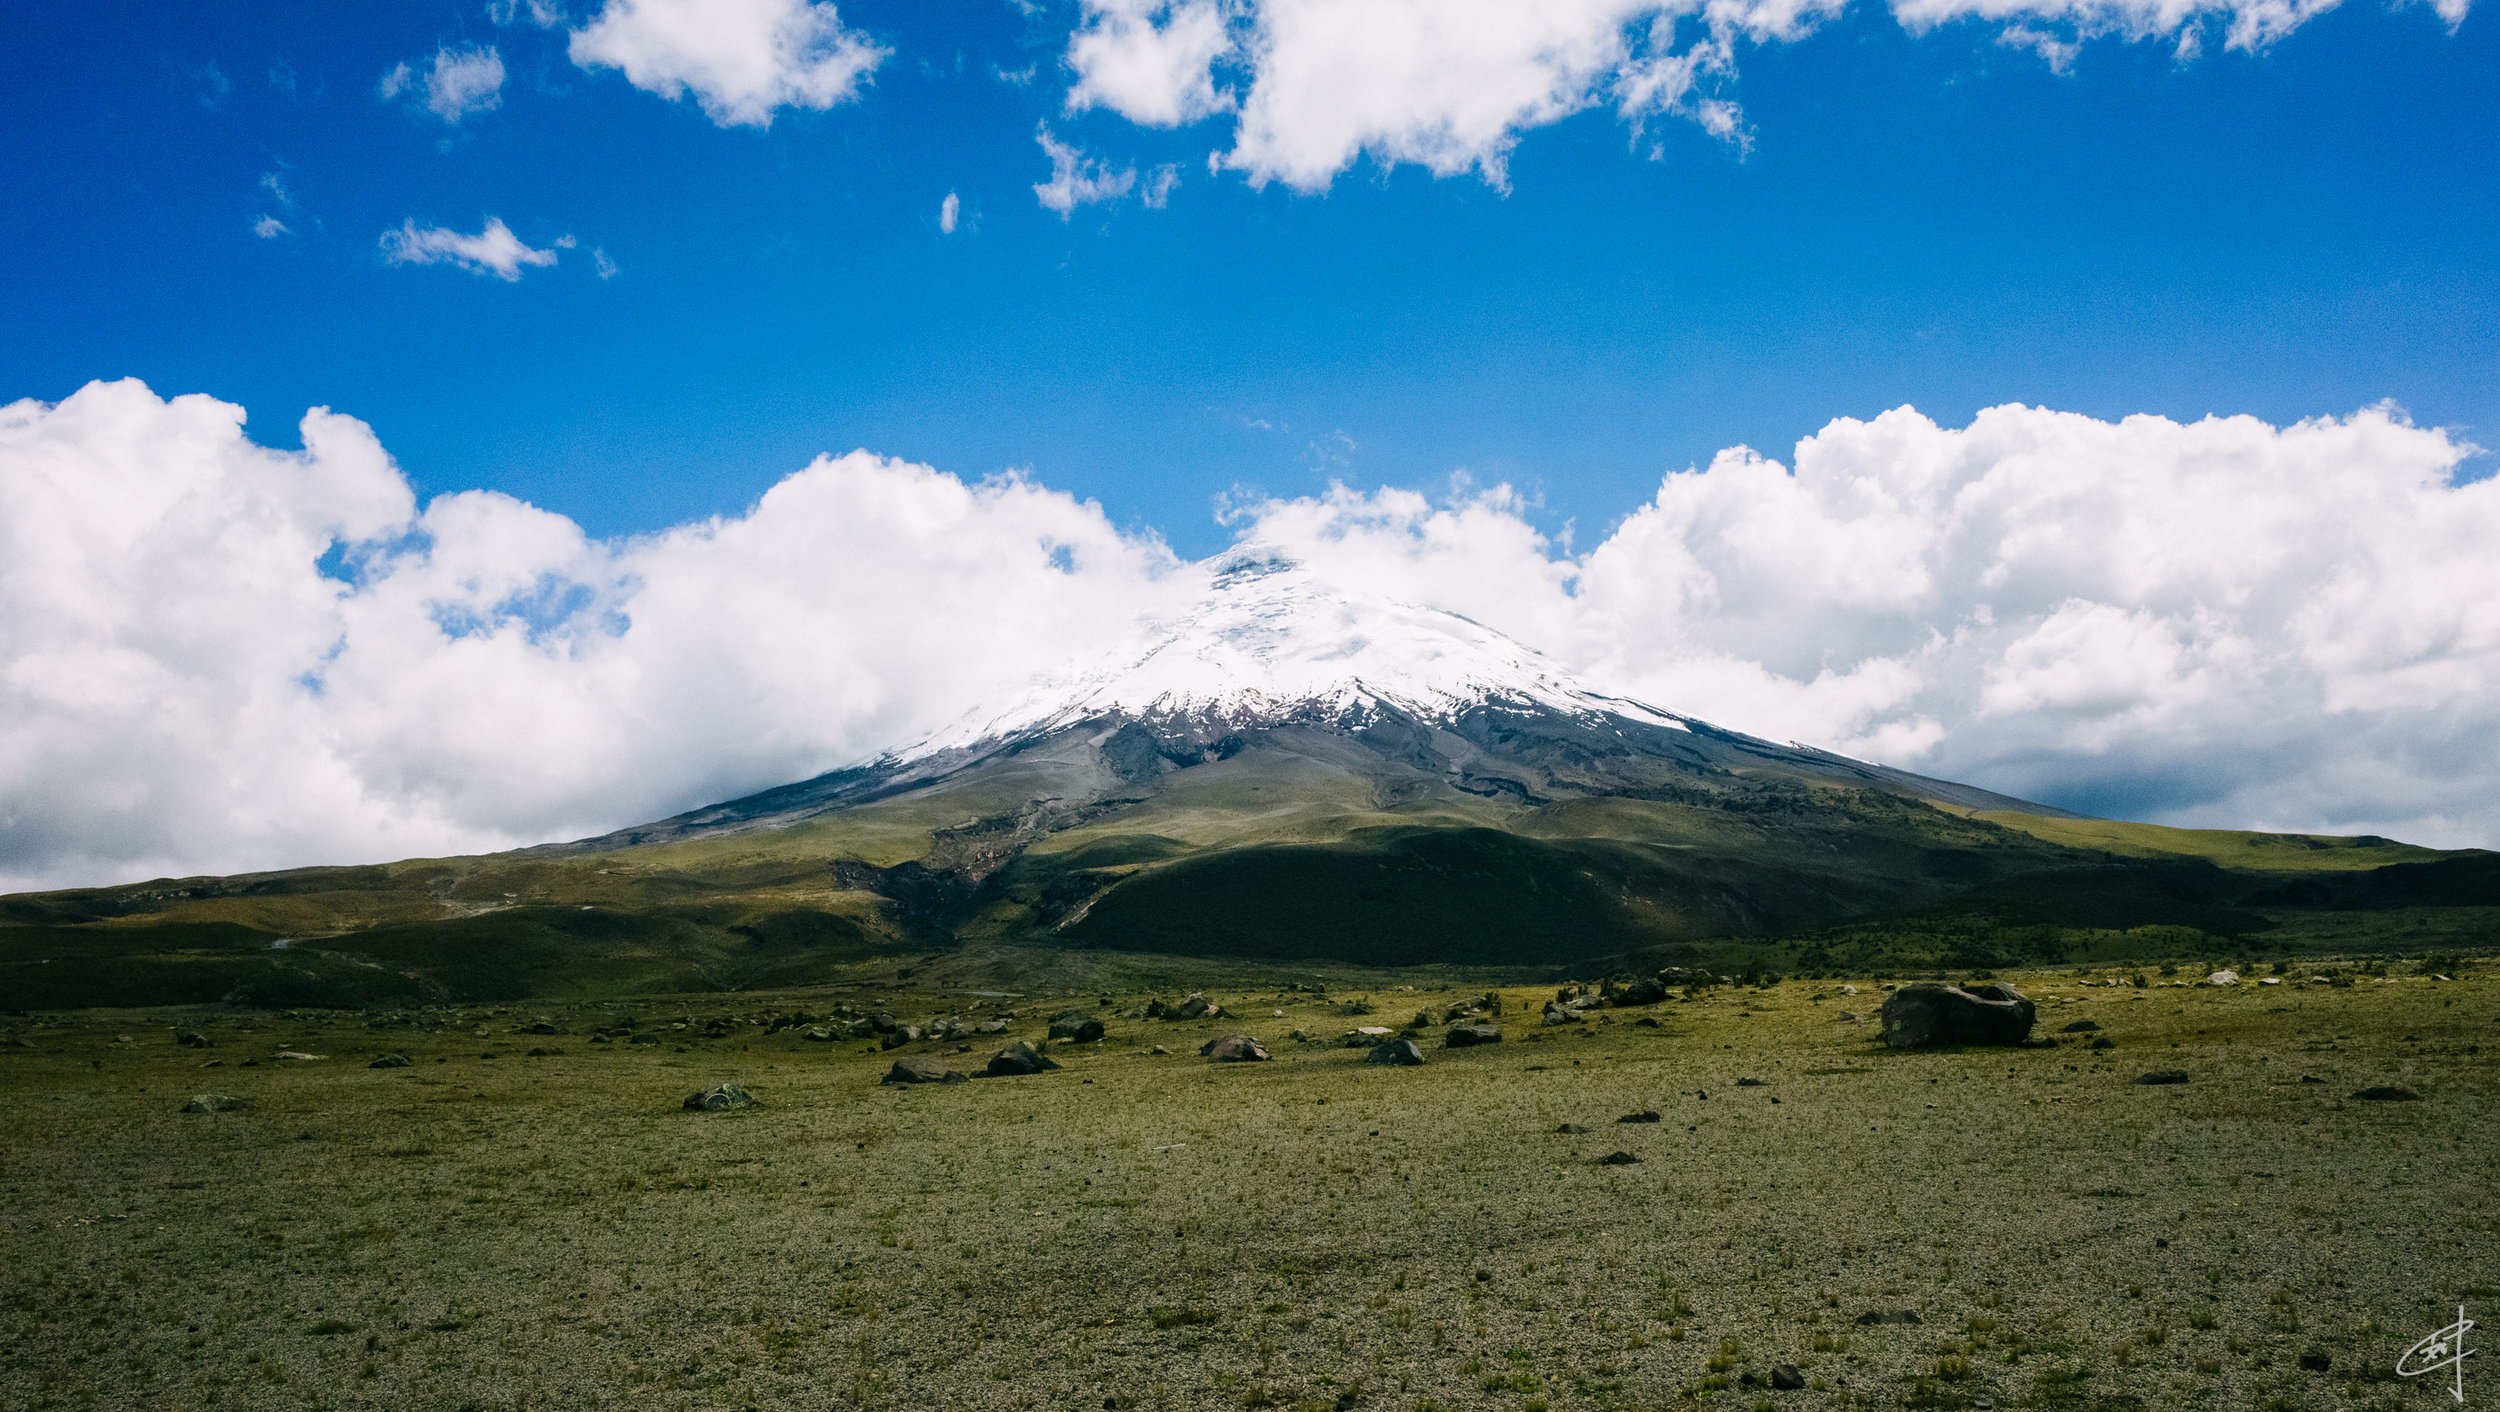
2218 622
457 85
494 250
741 60
1315 86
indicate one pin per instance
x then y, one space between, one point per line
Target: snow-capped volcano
1268 641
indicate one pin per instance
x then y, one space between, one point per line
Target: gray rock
921 1069
192 1039
389 1061
1876 1316
1233 1049
721 1096
1646 1115
990 1027
1557 1013
2081 1027
1786 1378
1571 1129
899 1036
1472 1033
1197 1007
214 1103
2163 1076
1395 1051
817 1034
1618 1159
1017 1059
1927 1013
1749 1083
1076 1025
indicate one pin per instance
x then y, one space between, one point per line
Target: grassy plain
1143 1230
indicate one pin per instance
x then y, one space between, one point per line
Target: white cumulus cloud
741 59
948 210
1450 85
494 250
2220 622
1150 61
458 84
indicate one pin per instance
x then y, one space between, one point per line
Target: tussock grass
1159 1232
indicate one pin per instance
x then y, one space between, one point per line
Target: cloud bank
215 656
1317 85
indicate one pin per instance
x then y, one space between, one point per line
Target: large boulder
1473 1032
1233 1049
1197 1007
1557 1013
1395 1051
1076 1025
1018 1058
726 1094
1927 1013
921 1069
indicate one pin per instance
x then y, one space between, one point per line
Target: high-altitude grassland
499 1227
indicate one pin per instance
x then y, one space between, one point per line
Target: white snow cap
1267 639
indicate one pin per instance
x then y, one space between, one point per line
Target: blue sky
1937 219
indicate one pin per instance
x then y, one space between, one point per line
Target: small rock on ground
214 1103
723 1095
1018 1058
1233 1049
2163 1076
389 1061
1395 1051
922 1069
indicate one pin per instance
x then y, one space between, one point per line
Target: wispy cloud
948 210
494 250
1078 180
458 84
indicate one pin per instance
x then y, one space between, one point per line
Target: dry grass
1142 1231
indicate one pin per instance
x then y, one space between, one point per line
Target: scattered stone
723 1095
1197 1007
542 1027
990 1027
390 1061
1573 1129
1786 1378
921 1069
2081 1027
1649 1020
2388 1093
1557 1013
817 1034
1646 1115
899 1036
2223 978
1158 1049
1425 1019
1927 1013
297 1054
2311 1079
1749 1083
1395 1051
2102 1041
1472 1033
214 1103
192 1039
1617 1159
1848 990
644 1039
1076 1025
1016 1059
2315 1361
2271 980
1355 1007
1848 1017
1233 1049
1877 1316
2163 1076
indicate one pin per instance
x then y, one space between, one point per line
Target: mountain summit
1268 642
1283 770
